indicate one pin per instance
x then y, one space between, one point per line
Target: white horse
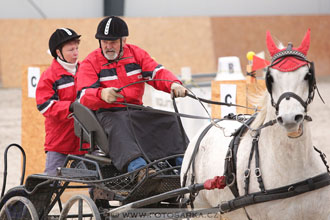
285 148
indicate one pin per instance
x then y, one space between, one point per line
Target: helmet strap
62 56
121 49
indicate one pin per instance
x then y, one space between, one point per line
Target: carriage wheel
18 207
78 209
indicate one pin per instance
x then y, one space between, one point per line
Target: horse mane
260 101
280 46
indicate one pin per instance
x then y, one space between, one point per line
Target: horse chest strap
284 192
255 151
230 160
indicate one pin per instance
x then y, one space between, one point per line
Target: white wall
138 8
51 8
152 8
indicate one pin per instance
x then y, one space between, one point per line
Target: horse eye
270 78
307 76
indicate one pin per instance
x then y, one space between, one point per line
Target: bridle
310 76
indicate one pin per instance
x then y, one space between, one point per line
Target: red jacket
55 92
95 73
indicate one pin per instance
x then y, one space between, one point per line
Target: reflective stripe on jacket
95 73
55 92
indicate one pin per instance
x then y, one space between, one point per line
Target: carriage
257 143
95 171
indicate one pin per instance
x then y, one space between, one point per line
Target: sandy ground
10 132
10 128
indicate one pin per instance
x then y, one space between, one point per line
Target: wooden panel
25 42
176 42
173 42
246 92
241 98
33 131
235 36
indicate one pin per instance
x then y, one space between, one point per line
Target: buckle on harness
229 154
247 173
233 181
220 207
258 172
291 188
255 135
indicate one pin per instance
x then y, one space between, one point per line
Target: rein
189 95
141 107
218 103
176 113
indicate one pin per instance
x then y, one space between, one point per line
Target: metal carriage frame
95 172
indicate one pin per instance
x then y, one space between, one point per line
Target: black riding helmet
111 28
59 37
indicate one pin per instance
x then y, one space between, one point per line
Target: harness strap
323 156
287 191
257 170
248 170
185 141
269 123
255 148
229 167
192 195
287 96
193 156
231 157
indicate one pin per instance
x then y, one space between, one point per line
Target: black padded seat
88 128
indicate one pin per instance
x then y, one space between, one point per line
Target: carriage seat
89 130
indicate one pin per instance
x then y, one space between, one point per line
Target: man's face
70 51
111 48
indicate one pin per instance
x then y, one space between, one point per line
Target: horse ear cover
303 48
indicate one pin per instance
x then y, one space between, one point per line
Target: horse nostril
298 118
280 120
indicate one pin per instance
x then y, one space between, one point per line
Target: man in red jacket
134 135
55 92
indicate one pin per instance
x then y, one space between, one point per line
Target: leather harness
263 195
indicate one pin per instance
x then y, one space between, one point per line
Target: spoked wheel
18 208
80 207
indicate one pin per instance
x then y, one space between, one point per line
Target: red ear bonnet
272 48
289 63
304 46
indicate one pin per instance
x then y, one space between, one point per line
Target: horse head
290 82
